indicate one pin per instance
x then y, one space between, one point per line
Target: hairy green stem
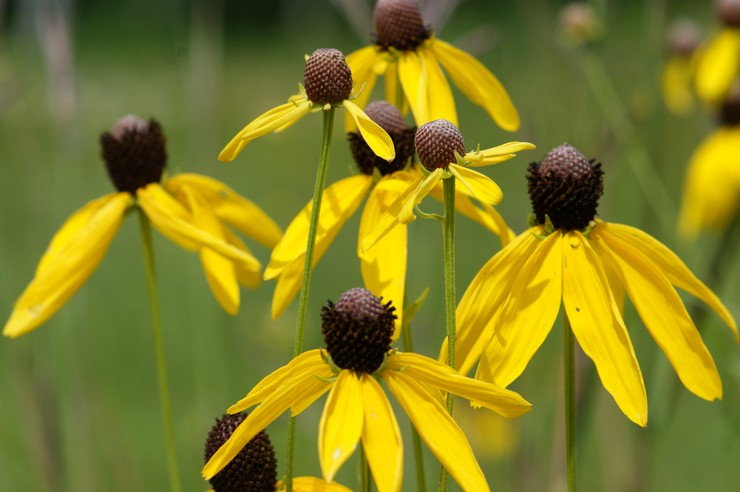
366 481
318 192
570 403
164 392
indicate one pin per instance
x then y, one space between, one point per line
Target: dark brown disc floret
390 119
565 187
399 25
327 77
728 12
357 330
436 143
134 153
254 468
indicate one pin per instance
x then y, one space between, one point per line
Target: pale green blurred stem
366 482
164 392
450 295
648 179
569 399
300 329
416 439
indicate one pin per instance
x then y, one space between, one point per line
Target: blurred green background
79 407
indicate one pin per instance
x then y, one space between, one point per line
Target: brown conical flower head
390 119
729 111
728 12
684 36
327 77
436 143
134 153
358 330
399 25
254 468
565 187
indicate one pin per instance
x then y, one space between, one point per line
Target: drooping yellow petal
676 82
383 266
672 266
480 186
313 484
484 298
309 362
393 91
711 199
220 271
413 78
277 402
366 64
598 327
341 423
246 276
663 313
438 93
381 437
496 155
376 138
438 375
531 309
338 202
718 66
390 218
72 256
287 285
277 118
438 430
230 207
171 219
478 84
406 215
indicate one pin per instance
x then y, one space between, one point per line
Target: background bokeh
79 407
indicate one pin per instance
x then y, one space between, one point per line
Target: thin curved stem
318 192
164 392
570 403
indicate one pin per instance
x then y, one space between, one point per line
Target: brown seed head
565 187
358 330
684 36
327 77
134 153
728 12
390 119
254 468
399 25
436 143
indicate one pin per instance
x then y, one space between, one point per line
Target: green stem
450 295
318 192
416 439
366 483
164 392
570 403
648 179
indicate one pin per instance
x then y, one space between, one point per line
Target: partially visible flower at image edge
719 64
570 257
711 192
408 54
134 152
254 468
383 267
677 79
441 151
357 331
327 83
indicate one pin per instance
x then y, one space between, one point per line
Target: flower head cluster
195 216
357 330
411 58
572 258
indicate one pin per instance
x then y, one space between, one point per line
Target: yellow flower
588 265
357 330
720 60
441 150
711 195
135 155
327 83
255 466
383 267
407 53
677 79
